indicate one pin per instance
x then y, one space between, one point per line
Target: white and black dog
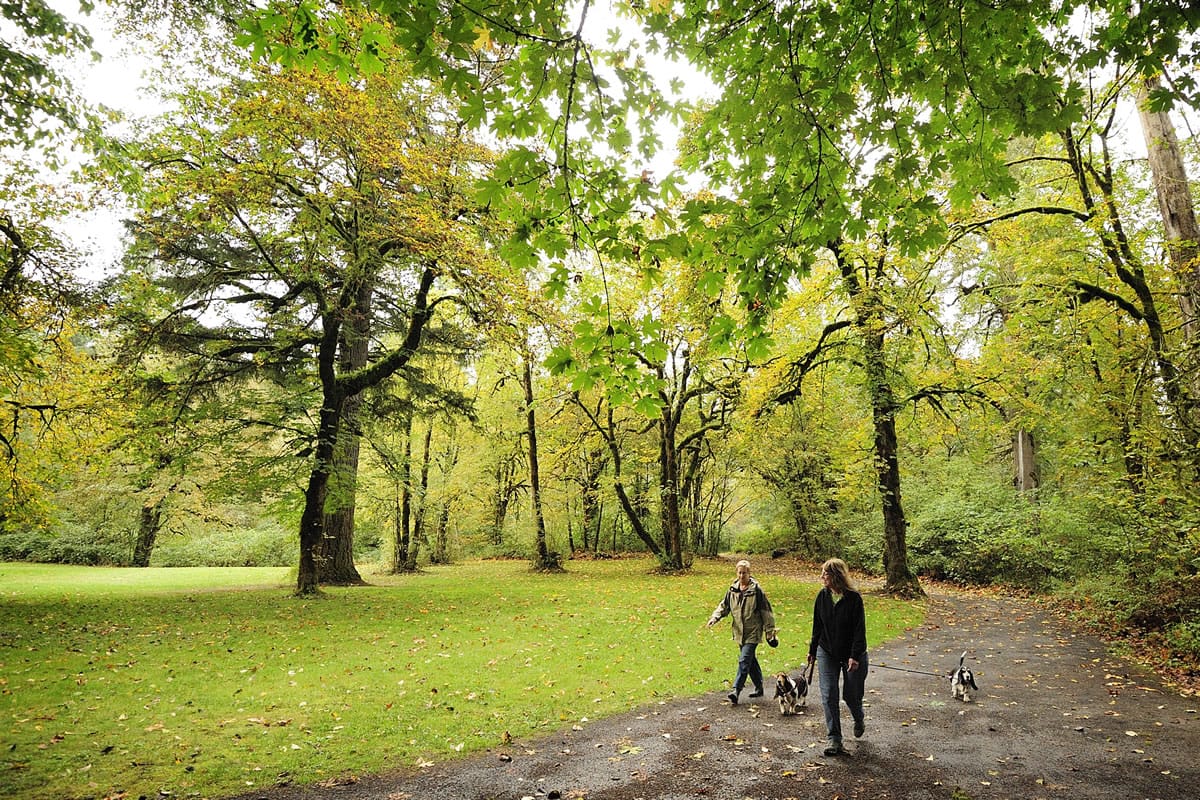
962 681
792 694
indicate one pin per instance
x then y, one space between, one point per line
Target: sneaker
860 727
835 750
733 698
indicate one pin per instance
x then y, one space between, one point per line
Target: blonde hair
839 576
743 563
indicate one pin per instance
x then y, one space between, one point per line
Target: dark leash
914 671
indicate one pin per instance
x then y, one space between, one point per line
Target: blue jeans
748 666
854 686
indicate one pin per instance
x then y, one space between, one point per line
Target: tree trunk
589 499
440 551
404 541
418 533
335 561
804 539
870 325
635 521
668 490
333 397
505 490
900 579
570 531
1183 241
148 526
312 519
543 558
1025 465
335 556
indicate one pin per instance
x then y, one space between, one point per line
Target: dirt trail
1056 717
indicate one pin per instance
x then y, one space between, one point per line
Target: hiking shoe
860 727
733 698
756 693
835 750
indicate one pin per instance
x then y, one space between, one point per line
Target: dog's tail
962 659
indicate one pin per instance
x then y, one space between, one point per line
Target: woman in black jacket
839 646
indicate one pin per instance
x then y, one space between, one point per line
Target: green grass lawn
210 682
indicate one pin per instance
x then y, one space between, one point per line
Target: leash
914 671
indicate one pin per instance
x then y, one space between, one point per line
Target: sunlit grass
204 683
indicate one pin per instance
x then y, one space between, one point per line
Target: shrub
23 545
1183 640
67 545
1163 603
263 546
986 535
762 540
858 541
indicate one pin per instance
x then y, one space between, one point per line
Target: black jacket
841 629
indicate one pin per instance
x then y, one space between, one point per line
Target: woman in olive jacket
753 620
839 646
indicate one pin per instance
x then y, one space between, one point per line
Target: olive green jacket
753 619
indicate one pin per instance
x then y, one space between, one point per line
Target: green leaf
759 346
712 283
560 360
648 406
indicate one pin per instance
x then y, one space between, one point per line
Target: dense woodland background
914 284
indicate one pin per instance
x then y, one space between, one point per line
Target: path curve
1057 716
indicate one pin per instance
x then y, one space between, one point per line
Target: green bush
1183 640
858 539
1158 610
1162 600
68 545
262 546
762 540
24 546
986 535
